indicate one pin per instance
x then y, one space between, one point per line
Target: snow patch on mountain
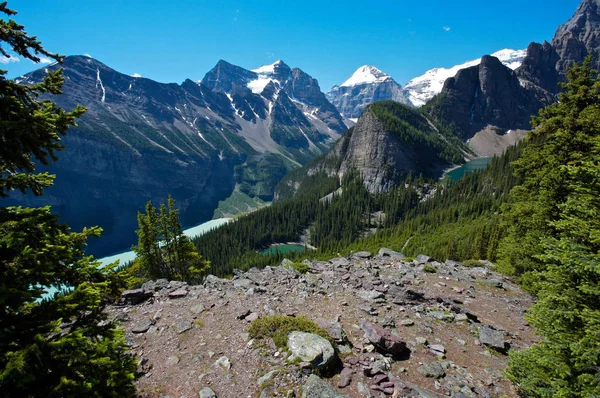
265 74
366 74
423 88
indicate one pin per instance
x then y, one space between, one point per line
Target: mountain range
220 145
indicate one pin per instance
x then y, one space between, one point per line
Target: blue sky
170 41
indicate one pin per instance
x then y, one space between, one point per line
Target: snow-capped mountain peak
366 74
267 69
421 89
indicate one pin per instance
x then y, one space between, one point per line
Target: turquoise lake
472 165
284 249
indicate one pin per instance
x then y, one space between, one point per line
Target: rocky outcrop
546 64
445 319
487 94
579 36
379 155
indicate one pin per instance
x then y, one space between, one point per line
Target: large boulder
383 338
311 348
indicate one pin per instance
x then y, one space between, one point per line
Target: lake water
472 165
198 230
126 257
284 249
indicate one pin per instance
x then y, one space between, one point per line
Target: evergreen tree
58 346
163 250
562 170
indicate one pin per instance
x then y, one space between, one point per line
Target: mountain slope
367 85
389 141
141 140
423 88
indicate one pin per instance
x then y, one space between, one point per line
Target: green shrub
429 268
300 267
472 263
279 326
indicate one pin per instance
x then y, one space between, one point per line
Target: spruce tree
562 186
59 345
163 250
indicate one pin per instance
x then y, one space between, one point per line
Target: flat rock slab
143 326
179 293
363 254
385 252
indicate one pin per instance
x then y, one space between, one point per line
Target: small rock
345 378
172 360
252 317
432 369
143 325
385 252
383 338
407 322
362 254
263 379
135 296
183 325
223 362
179 293
370 295
206 392
315 387
422 259
492 338
438 349
421 340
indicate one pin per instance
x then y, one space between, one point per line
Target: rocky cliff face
367 85
388 142
381 156
487 94
546 64
141 140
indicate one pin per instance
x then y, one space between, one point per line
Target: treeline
446 219
432 141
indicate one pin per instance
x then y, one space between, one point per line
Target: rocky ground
401 328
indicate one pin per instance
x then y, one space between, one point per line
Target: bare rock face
379 155
579 36
351 101
546 64
488 94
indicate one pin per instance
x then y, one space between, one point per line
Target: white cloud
44 60
8 60
446 28
136 75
